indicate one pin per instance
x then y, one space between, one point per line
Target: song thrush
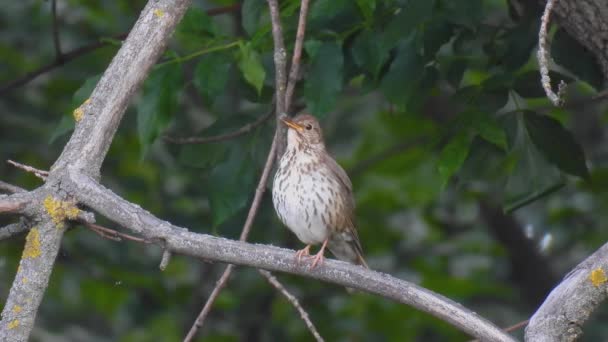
313 195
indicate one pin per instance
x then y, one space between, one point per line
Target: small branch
83 50
38 173
180 240
220 137
571 303
13 189
294 301
112 234
297 54
221 283
280 66
164 262
12 230
55 29
543 57
15 203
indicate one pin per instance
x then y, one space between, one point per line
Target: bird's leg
319 256
302 252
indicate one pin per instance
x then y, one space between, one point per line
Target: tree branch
12 230
55 30
4 186
569 305
180 240
83 50
297 54
85 152
280 67
543 56
294 302
91 139
220 137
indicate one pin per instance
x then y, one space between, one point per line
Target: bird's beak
292 124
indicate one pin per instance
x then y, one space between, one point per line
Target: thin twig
220 137
277 143
294 301
297 54
38 173
543 56
13 189
83 50
55 30
112 234
221 283
12 230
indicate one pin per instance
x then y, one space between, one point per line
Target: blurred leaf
211 74
415 13
196 23
488 128
367 8
251 11
453 155
436 34
570 54
230 185
367 52
401 81
465 13
528 84
66 124
533 177
158 102
251 66
518 43
312 47
324 81
556 143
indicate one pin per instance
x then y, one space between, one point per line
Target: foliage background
434 108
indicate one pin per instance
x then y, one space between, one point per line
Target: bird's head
303 129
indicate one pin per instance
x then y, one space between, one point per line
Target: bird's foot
304 252
318 259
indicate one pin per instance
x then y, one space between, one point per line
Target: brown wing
347 187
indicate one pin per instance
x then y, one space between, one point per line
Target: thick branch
569 305
586 21
41 248
146 41
207 247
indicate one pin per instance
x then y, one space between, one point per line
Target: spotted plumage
313 195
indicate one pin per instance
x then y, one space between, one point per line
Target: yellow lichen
79 112
17 309
32 245
13 324
24 280
59 211
598 277
158 13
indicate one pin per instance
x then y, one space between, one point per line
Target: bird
313 196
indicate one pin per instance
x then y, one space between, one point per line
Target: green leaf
488 128
465 13
251 66
368 53
196 23
158 103
312 47
401 81
324 81
556 143
230 185
251 11
453 156
532 176
367 8
66 124
211 75
569 53
414 14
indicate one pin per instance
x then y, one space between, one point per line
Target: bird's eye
309 127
